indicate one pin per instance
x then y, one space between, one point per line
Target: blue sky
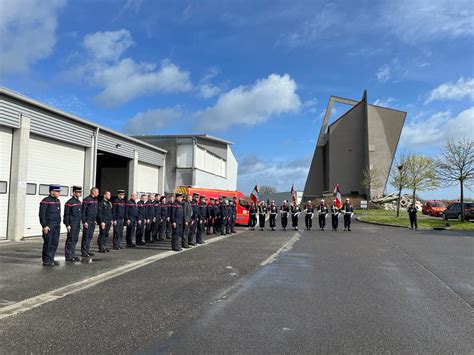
258 73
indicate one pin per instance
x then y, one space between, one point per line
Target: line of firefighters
294 211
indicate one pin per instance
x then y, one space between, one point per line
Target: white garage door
50 162
147 178
5 162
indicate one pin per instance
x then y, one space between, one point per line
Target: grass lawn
424 222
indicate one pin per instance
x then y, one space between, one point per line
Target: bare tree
398 177
266 190
456 165
421 173
370 180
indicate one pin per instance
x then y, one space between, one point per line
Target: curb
396 226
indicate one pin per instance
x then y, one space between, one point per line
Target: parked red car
434 208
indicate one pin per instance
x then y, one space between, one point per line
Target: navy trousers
103 236
131 229
177 236
50 244
87 234
118 233
71 241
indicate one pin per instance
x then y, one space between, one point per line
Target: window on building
43 189
64 191
3 187
31 189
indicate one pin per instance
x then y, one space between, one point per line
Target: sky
257 73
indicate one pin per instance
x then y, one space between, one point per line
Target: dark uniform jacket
284 210
202 211
105 213
223 211
157 210
412 212
272 209
50 212
170 209
150 209
89 209
142 211
309 209
177 213
194 205
252 210
347 208
118 210
215 210
188 211
210 211
262 209
295 209
334 209
164 211
73 212
322 209
234 209
131 210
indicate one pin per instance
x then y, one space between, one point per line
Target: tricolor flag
293 193
338 196
254 194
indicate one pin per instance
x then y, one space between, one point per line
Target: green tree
266 190
398 177
370 181
421 173
456 165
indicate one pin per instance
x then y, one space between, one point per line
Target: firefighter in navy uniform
50 219
118 212
209 215
229 208
215 224
262 214
177 223
141 220
201 220
273 210
150 215
89 220
105 217
188 219
322 214
72 220
295 214
222 216
233 219
193 226
284 212
252 216
164 218
157 217
348 211
131 218
169 227
334 215
308 218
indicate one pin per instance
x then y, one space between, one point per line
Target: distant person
89 220
150 216
104 217
252 216
322 214
141 220
348 211
188 211
177 223
50 219
201 220
165 218
118 212
412 215
169 228
295 213
72 220
262 214
284 212
309 213
334 215
156 225
131 218
273 211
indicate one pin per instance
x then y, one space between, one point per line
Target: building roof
20 97
202 136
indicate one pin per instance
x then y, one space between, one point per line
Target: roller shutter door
5 163
147 179
50 162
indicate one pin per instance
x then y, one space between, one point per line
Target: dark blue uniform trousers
87 235
200 230
177 237
103 236
131 229
71 241
50 244
118 233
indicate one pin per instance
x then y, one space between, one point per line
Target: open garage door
50 162
5 162
147 178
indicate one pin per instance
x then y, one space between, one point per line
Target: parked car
434 208
454 211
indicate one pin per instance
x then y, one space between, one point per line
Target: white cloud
108 45
207 91
149 121
252 105
123 79
453 91
127 80
425 20
435 130
384 102
383 74
27 32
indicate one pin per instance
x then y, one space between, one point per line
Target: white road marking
287 246
34 302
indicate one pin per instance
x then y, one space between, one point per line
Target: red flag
338 196
254 194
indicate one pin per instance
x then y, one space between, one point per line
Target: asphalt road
372 290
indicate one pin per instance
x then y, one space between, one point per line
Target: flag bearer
50 219
118 212
89 220
334 215
72 221
104 217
